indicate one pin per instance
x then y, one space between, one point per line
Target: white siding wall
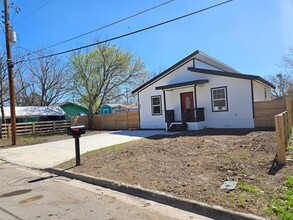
239 114
147 120
259 92
199 64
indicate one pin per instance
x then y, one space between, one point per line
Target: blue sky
249 35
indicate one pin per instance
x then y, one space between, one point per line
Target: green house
72 109
106 109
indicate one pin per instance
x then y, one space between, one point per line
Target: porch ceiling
183 84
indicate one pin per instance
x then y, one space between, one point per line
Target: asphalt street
27 194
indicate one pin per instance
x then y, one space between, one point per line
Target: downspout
138 109
252 97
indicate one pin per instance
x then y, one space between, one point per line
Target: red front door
187 103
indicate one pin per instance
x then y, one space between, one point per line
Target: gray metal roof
34 111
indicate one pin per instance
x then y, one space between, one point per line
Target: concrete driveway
53 153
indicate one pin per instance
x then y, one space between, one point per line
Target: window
156 105
219 99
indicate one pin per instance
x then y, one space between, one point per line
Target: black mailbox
76 131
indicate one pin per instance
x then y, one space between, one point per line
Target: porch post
195 97
164 99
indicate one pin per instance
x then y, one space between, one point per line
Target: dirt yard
193 165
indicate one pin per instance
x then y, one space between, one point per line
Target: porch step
178 127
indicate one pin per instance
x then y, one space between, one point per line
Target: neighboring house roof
198 55
34 111
131 106
71 103
113 105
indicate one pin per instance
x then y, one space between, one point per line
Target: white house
200 92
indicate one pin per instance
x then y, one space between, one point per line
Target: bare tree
287 62
4 83
100 75
45 82
4 89
283 84
284 80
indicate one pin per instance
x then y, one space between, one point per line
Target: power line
128 34
106 26
34 11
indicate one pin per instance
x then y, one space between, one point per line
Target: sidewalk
50 154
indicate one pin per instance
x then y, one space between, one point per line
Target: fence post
115 120
280 134
1 129
102 121
289 110
54 127
285 127
127 118
8 130
34 128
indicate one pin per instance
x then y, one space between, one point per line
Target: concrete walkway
50 154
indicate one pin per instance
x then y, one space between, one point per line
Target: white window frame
216 108
156 105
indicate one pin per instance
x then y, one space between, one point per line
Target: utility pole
10 73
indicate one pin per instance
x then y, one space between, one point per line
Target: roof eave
170 69
232 74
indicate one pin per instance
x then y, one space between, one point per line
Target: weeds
248 188
282 207
71 163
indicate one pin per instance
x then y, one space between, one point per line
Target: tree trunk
90 117
2 114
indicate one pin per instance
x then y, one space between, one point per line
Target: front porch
180 106
189 117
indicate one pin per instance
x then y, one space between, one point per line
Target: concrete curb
215 212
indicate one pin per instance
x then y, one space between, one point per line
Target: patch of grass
71 163
231 158
240 199
112 147
283 206
242 170
261 179
33 139
290 144
248 188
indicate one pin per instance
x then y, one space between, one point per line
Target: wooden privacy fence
31 128
283 123
80 120
265 111
127 120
